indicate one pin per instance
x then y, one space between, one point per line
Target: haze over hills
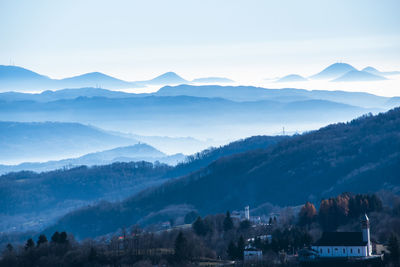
356 76
377 72
333 71
47 96
292 78
251 93
360 156
17 78
13 78
166 78
64 144
97 79
184 115
212 80
41 141
134 153
234 93
67 189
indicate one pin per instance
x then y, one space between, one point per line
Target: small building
251 253
345 244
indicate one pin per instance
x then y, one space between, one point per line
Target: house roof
341 239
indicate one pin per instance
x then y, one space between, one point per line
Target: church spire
366 233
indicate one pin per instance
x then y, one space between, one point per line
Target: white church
345 244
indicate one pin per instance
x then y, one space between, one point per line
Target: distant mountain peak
168 77
92 75
333 71
292 78
370 69
9 72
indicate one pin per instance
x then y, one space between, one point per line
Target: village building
345 244
251 253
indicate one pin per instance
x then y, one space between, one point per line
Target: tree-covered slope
29 200
360 156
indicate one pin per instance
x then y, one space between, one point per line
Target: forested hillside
360 156
202 159
29 201
32 200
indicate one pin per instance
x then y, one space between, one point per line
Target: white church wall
341 251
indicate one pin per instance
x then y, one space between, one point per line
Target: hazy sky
249 39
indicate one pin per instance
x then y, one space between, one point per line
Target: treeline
339 210
215 239
23 192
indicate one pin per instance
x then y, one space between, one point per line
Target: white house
345 244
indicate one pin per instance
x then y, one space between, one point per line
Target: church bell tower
366 234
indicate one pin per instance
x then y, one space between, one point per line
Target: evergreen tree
200 227
63 239
228 222
181 248
29 244
55 237
232 251
394 248
41 240
240 248
9 247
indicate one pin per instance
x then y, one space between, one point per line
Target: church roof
341 239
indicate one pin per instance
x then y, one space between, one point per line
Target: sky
243 40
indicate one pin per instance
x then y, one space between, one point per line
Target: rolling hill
360 156
94 79
42 141
137 152
378 72
251 93
30 201
48 96
358 76
291 78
